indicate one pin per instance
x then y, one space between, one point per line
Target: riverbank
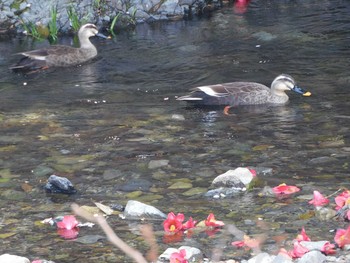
49 18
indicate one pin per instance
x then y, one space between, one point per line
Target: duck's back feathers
234 93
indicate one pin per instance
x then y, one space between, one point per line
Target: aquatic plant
114 21
73 18
53 30
31 29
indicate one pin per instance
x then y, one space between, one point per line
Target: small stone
178 117
153 164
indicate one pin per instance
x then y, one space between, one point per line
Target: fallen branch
111 235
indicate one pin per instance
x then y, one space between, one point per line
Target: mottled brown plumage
59 55
244 93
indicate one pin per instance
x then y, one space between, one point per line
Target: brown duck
59 55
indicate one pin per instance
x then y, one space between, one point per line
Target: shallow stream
100 125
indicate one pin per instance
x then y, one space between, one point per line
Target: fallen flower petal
328 248
303 236
68 222
212 222
189 224
178 257
173 223
238 244
298 250
284 189
319 199
247 241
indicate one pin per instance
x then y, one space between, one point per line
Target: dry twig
111 235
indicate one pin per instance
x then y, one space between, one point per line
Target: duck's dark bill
102 36
301 91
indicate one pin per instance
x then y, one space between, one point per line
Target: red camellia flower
178 257
189 224
319 199
342 237
173 223
212 222
68 222
284 189
298 250
303 236
328 248
342 199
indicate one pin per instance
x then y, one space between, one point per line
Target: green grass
53 30
73 18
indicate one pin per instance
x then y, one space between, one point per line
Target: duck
244 93
60 55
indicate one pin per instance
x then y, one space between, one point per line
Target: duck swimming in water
244 93
59 55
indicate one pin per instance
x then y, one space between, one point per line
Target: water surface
117 113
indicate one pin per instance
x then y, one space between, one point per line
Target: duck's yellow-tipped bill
307 94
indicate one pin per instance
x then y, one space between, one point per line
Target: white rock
234 177
7 258
137 210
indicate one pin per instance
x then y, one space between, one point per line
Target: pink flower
68 222
342 237
253 172
298 250
189 224
328 248
342 199
212 222
173 223
319 199
178 257
302 236
284 189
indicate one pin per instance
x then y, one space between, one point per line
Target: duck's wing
42 54
225 90
233 93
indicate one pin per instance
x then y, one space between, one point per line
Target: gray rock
262 258
280 258
312 257
137 210
153 164
7 258
59 185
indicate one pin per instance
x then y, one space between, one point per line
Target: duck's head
89 30
284 83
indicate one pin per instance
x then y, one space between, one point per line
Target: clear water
118 113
